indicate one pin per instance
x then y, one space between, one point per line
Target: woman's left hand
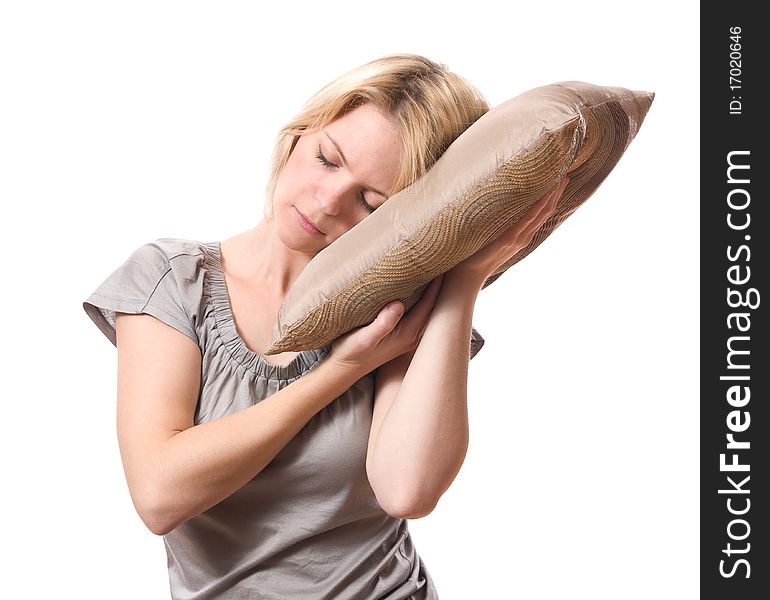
488 259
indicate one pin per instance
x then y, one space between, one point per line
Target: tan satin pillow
479 188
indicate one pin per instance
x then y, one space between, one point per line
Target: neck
258 256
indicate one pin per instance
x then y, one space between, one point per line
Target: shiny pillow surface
484 182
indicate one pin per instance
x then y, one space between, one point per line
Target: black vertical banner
735 297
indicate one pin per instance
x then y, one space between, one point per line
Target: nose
332 196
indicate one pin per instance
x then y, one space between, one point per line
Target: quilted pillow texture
484 182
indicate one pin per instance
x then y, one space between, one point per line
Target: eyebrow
345 162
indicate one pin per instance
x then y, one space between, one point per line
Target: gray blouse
308 526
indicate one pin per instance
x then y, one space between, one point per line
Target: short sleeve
476 343
158 279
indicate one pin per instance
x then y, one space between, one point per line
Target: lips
307 224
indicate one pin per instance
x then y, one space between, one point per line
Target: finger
542 210
524 229
557 193
558 190
551 199
540 219
520 234
420 311
385 322
537 210
561 184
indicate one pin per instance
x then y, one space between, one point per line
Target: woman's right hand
388 336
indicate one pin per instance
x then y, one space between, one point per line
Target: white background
123 122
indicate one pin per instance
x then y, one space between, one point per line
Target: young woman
292 475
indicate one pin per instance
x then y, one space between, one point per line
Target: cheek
288 185
355 220
301 174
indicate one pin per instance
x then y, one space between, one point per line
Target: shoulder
163 278
179 258
164 251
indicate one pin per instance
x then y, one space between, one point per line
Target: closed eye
325 161
367 207
330 165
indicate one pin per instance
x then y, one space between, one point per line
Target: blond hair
429 105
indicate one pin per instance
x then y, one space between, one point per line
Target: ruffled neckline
223 313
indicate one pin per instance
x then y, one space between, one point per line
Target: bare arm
420 425
175 469
419 434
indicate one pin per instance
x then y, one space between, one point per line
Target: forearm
423 439
198 467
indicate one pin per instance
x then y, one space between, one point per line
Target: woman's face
334 178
